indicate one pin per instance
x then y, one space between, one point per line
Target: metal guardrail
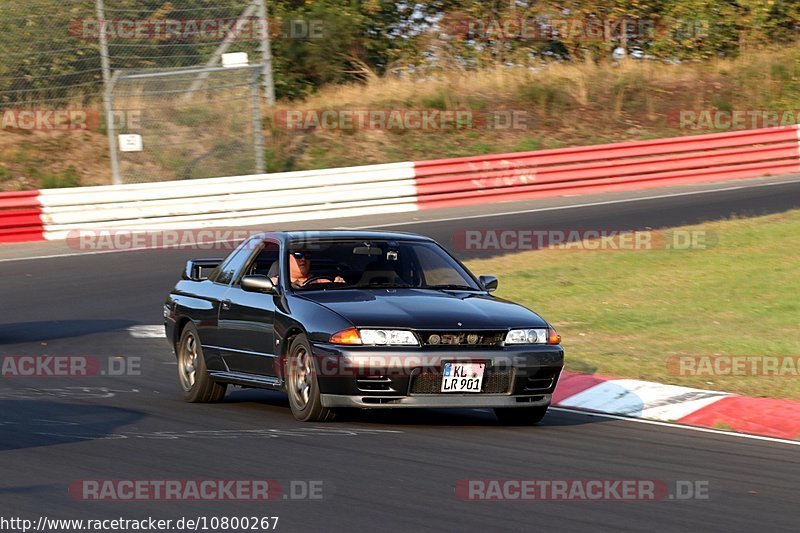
635 164
20 217
399 187
233 201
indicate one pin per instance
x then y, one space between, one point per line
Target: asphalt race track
387 471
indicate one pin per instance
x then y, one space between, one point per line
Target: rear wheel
302 385
197 385
521 416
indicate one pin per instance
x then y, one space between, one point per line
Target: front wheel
197 385
521 416
302 385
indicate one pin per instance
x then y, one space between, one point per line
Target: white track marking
103 252
147 332
429 221
570 206
679 426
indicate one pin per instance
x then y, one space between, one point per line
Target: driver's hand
339 279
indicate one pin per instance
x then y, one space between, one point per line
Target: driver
299 269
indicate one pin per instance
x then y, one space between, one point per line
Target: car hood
425 309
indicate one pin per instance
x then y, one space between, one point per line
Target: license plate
462 377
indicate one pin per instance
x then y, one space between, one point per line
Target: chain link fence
43 64
107 67
192 122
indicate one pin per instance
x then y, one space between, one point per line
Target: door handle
226 305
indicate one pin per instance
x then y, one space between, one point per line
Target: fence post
222 48
266 54
107 84
258 133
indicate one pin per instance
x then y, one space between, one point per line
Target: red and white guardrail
608 167
399 187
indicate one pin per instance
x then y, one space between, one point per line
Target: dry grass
563 104
762 76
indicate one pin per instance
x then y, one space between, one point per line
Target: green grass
625 313
67 178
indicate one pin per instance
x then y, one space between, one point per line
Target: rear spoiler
199 269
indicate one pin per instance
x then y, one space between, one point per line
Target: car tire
302 385
193 376
521 416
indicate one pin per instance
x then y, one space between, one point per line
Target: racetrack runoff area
666 305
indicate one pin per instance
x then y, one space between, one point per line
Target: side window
263 260
233 264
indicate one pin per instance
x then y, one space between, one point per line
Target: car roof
345 235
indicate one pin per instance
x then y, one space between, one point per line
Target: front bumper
463 401
369 377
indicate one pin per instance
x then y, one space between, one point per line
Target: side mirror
489 283
258 283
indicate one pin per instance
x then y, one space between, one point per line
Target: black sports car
342 319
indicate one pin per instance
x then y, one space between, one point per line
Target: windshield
375 264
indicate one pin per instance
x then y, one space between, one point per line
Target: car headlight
533 336
375 337
388 337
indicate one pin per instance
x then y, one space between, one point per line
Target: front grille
495 381
426 383
462 338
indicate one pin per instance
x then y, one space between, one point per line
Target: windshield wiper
450 287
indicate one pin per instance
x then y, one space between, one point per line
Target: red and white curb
683 405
